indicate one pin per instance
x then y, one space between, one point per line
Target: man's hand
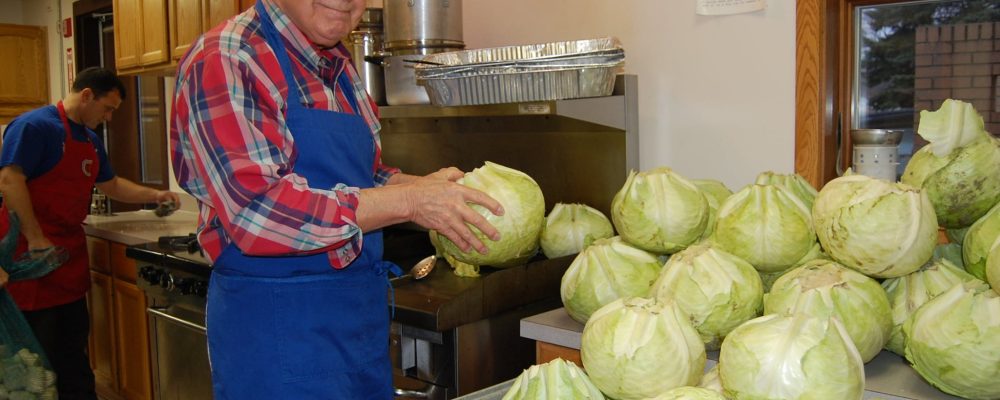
163 196
438 203
3 277
40 242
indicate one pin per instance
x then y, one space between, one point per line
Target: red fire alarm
67 28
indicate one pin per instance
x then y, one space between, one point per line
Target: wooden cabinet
119 331
217 11
186 19
152 35
24 74
153 31
128 39
102 327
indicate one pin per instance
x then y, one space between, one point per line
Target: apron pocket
330 326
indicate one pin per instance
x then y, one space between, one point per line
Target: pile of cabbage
796 287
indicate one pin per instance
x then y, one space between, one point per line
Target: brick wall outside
961 62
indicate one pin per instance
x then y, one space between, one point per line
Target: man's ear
87 95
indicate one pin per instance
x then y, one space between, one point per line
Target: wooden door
217 11
245 4
128 35
103 359
185 25
24 74
135 373
155 47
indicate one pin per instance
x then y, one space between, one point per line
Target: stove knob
167 281
151 274
184 285
200 288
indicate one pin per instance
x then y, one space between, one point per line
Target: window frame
824 84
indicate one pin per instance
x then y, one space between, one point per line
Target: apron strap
382 268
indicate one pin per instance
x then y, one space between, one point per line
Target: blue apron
294 327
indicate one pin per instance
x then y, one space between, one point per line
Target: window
876 64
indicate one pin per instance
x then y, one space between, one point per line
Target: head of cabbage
689 393
556 380
953 341
519 226
959 168
879 228
766 225
793 182
979 240
908 292
571 227
715 192
825 289
791 357
606 271
717 290
637 348
659 211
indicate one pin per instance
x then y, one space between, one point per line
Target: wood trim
809 97
824 74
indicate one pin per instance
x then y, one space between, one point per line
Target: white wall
716 94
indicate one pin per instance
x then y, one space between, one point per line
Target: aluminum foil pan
522 86
522 53
541 72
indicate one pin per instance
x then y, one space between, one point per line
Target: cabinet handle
160 312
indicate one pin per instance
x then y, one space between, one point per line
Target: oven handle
412 393
160 312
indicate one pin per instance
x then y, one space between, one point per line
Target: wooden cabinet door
128 34
103 360
217 11
155 48
135 373
98 253
24 74
185 25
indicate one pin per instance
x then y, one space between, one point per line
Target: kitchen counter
887 376
135 227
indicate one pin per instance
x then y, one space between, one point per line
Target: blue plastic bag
25 372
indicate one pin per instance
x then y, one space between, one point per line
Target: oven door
180 353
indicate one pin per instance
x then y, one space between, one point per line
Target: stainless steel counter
888 376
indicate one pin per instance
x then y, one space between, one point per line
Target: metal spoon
420 270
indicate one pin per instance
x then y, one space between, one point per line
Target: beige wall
11 12
716 94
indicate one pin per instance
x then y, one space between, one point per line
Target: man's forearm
15 194
124 190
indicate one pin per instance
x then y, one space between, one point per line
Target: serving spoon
420 270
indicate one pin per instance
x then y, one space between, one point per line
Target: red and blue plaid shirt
233 152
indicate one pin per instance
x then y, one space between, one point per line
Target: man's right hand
440 204
39 243
3 277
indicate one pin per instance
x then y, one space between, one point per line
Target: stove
174 275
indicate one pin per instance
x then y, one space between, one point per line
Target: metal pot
422 23
364 44
400 79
